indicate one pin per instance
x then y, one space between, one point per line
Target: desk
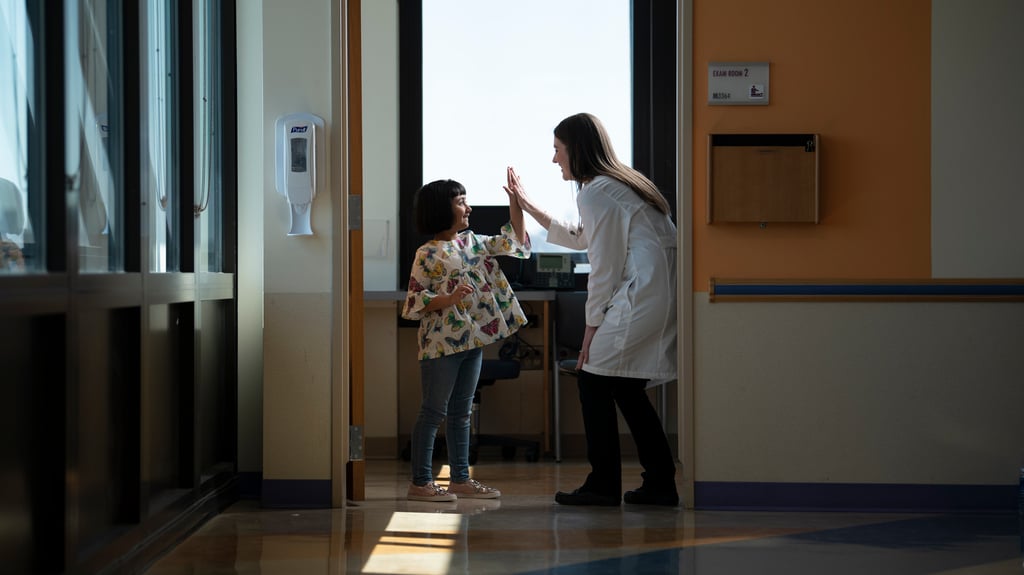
548 351
546 365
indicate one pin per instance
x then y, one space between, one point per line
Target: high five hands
514 189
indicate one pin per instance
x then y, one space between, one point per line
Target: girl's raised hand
514 187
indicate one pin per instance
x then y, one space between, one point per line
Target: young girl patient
463 302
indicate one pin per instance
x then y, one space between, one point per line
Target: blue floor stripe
870 289
916 546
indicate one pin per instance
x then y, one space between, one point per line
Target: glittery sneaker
473 489
429 492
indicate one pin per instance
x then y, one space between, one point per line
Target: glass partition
208 121
94 130
160 189
18 252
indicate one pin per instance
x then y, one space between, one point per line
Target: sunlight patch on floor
416 543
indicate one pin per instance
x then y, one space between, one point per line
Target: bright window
498 77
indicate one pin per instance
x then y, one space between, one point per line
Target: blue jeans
448 383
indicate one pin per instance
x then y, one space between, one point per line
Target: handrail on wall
731 290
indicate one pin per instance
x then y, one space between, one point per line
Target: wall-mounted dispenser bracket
298 142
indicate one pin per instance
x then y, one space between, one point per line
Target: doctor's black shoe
580 497
645 496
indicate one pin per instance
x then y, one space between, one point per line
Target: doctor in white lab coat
630 335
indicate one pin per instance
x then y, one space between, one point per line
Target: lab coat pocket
620 309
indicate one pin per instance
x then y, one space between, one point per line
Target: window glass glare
159 183
93 134
18 250
208 120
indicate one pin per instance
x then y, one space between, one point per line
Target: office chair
568 328
492 370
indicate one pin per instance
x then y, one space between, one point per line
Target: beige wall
250 237
285 66
925 393
382 377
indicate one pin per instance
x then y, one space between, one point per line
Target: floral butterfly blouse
490 313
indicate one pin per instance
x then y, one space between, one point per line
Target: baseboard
284 493
250 484
296 493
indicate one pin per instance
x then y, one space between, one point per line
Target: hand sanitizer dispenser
298 141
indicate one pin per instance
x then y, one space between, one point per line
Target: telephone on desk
554 271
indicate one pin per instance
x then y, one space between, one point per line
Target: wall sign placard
738 83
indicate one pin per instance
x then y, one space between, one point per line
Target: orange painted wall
857 72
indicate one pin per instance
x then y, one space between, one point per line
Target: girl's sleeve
507 244
418 296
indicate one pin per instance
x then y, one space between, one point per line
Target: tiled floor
526 532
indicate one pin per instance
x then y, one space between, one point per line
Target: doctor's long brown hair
591 154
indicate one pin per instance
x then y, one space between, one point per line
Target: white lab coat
631 291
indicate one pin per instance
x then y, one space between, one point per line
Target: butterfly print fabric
490 313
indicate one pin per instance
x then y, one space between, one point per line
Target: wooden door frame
356 466
347 370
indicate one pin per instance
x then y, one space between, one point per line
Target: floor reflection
526 532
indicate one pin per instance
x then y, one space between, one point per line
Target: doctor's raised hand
515 190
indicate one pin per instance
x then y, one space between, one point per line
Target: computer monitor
535 272
487 221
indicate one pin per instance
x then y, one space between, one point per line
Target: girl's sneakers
429 492
473 489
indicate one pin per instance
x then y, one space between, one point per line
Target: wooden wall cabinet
761 178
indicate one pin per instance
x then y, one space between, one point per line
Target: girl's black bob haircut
432 206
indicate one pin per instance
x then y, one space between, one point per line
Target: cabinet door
762 178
